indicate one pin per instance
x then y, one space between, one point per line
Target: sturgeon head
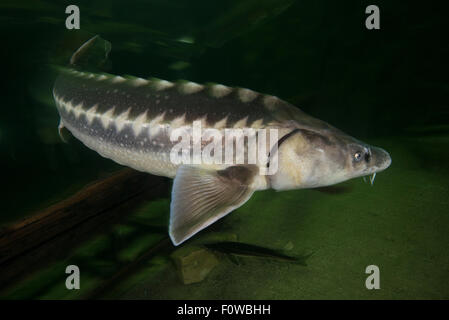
316 154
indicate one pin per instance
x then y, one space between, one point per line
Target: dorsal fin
93 54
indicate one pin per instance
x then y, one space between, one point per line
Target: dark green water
388 87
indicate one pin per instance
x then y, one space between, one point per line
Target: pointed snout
381 159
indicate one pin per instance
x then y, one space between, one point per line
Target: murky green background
388 87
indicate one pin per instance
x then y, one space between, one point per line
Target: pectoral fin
202 196
63 132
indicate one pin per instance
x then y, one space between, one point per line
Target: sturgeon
130 120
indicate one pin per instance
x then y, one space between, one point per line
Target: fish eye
358 156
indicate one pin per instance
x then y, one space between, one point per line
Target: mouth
382 161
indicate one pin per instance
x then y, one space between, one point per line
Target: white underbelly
157 163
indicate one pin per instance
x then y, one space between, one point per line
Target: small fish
130 120
249 250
